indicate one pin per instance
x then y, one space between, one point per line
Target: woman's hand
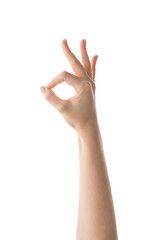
80 110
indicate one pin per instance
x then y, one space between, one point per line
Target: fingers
69 78
85 58
75 63
53 99
93 66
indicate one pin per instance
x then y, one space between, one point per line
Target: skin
96 215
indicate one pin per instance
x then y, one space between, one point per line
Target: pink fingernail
43 89
65 41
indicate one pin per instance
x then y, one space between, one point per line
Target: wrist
89 132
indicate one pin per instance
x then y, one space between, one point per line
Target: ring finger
85 58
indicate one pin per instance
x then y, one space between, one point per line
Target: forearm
96 217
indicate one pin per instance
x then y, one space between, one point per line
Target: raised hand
96 217
80 110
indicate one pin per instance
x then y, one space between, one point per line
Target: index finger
69 78
75 63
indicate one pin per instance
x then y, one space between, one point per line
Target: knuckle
63 107
64 73
89 85
48 95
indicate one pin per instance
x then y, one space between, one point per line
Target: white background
39 165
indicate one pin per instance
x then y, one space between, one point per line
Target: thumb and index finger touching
80 70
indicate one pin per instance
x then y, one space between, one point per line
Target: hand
79 110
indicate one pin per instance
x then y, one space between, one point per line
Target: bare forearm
96 217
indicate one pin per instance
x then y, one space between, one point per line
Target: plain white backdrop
39 164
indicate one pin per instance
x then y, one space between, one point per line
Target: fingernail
97 58
43 89
85 42
65 41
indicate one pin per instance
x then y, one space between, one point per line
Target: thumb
52 98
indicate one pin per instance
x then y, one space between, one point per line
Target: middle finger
75 63
85 58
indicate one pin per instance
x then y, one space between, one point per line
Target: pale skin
96 215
